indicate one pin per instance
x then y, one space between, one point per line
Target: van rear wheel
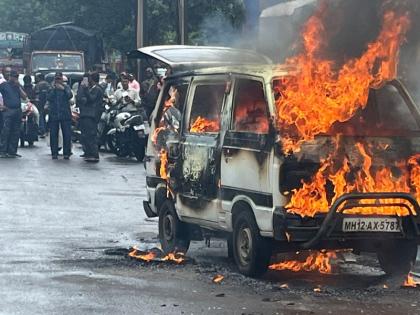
173 234
397 257
251 251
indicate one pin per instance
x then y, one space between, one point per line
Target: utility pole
140 23
182 30
140 33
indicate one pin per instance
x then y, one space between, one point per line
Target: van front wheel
173 234
251 251
397 257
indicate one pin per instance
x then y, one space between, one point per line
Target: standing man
42 88
134 84
60 116
90 101
149 92
11 109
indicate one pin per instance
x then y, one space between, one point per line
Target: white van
215 166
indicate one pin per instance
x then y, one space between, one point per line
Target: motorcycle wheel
111 140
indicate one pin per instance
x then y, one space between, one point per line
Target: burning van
233 155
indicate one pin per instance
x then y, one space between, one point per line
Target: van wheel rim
245 245
168 227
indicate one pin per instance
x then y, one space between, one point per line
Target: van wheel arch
161 195
239 207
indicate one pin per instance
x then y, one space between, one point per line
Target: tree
209 21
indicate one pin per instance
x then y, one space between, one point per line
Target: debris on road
156 255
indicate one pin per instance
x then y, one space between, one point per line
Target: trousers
10 131
66 131
89 130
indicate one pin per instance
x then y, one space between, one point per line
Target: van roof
264 71
186 58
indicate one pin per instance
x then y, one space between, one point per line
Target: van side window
206 107
172 106
250 113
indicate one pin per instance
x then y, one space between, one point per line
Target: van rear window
206 107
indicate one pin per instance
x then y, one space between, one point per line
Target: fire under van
216 167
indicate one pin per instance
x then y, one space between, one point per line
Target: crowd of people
53 100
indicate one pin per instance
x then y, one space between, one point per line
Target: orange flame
317 97
317 261
202 125
410 282
218 278
164 165
312 197
146 257
156 134
178 258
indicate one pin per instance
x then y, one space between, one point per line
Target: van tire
251 251
173 234
397 257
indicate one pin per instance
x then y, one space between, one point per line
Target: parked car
215 166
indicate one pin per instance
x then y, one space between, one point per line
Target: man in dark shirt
42 88
90 102
12 116
60 116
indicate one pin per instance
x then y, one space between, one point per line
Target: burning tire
397 257
173 234
251 251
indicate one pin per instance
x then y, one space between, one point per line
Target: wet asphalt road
65 229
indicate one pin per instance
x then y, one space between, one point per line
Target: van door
200 148
247 146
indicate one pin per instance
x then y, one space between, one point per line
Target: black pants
89 130
66 130
10 132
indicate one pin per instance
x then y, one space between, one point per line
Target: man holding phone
90 102
60 116
129 99
11 110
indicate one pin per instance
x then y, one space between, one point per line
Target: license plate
391 225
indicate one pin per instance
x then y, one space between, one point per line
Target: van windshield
386 114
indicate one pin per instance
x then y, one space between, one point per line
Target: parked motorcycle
75 130
129 137
106 122
30 123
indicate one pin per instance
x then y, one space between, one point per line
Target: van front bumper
310 232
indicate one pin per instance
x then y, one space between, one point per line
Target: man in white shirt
129 98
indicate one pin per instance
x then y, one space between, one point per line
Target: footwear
14 155
67 157
54 157
3 156
92 159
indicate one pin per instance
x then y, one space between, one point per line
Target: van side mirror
174 149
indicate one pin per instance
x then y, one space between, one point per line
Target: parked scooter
129 137
30 123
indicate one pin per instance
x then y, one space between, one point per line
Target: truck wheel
173 234
251 251
397 257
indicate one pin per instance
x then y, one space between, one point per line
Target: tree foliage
209 21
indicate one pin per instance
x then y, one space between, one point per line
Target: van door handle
228 155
